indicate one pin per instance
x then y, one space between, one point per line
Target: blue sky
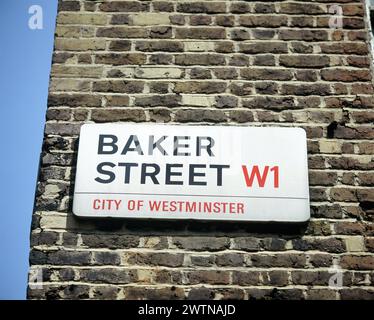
25 61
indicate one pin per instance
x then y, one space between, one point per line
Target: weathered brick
120 45
156 259
264 60
321 260
272 103
286 260
300 8
189 115
225 73
239 60
79 44
208 277
81 18
117 101
345 132
122 32
111 115
277 278
301 47
201 243
158 87
241 88
345 75
119 86
359 262
350 228
328 146
241 116
230 259
347 48
301 21
121 59
328 244
108 275
265 21
226 102
240 34
319 228
44 238
198 46
162 32
267 88
168 100
366 179
304 61
68 6
200 33
109 241
158 73
303 34
147 19
322 178
162 276
199 87
105 293
202 260
106 258
304 90
306 75
59 114
239 7
162 45
161 59
196 101
225 21
200 73
76 71
246 244
69 257
124 6
310 277
202 7
199 59
266 74
198 20
163 6
263 47
120 19
246 278
264 8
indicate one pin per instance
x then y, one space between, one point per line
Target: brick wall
273 63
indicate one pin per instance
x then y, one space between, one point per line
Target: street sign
156 171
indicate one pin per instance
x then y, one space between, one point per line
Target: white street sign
156 171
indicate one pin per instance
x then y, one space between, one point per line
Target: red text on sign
106 204
260 177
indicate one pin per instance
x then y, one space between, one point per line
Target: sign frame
234 212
